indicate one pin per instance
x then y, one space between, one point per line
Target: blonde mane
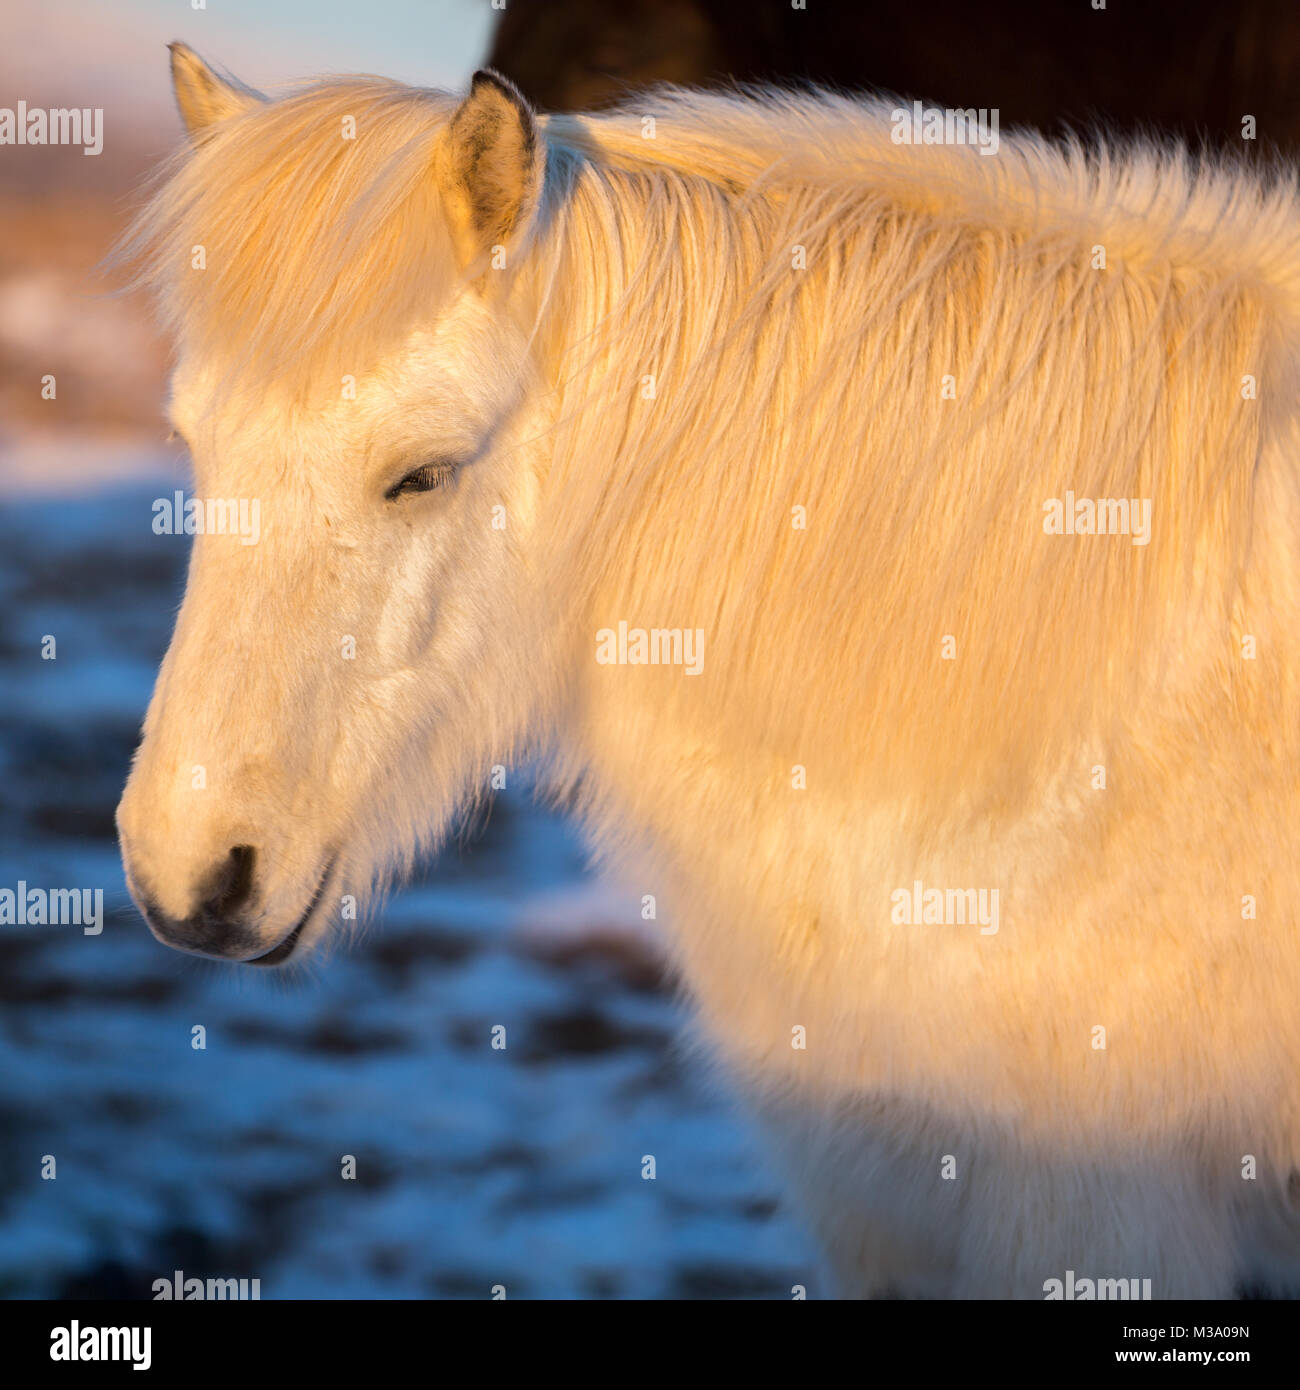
777 387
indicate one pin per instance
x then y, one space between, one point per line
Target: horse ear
493 163
202 96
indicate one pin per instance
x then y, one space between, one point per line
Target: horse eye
424 479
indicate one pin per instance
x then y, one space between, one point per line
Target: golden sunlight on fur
743 366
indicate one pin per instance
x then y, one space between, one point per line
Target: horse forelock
299 239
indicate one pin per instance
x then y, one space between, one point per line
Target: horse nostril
232 886
218 925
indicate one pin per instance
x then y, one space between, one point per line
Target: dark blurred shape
1190 67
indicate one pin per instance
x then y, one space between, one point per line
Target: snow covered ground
474 1167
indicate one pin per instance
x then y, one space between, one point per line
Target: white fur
778 388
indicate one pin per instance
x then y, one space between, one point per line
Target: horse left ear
202 97
493 163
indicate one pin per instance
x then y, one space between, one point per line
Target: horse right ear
202 97
492 166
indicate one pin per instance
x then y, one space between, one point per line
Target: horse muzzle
223 925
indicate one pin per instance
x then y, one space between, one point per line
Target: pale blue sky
434 43
114 55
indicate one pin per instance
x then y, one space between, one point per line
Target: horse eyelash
426 478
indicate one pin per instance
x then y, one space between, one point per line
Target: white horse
894 547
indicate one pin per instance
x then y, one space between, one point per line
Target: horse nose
216 927
231 886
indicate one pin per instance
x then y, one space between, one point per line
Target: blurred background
474 1167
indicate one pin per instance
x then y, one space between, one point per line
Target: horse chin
288 947
279 955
